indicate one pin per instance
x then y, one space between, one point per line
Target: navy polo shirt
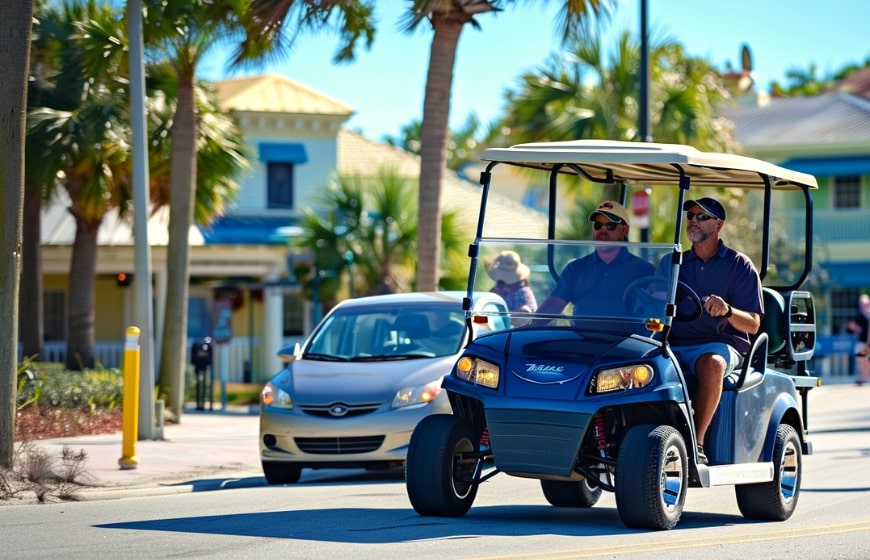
596 287
730 275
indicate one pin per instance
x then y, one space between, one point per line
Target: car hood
316 382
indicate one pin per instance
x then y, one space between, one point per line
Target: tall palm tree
14 44
447 19
83 141
182 32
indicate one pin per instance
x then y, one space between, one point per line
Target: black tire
571 494
279 472
776 500
652 476
438 482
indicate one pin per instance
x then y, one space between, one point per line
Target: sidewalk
208 450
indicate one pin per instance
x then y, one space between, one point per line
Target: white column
273 335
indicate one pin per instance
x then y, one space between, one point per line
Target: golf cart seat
769 341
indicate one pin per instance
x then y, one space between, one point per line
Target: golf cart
596 401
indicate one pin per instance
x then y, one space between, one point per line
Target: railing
833 226
110 354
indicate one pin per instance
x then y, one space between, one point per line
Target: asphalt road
354 514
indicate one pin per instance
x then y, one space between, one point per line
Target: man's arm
744 321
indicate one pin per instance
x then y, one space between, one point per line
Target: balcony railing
832 226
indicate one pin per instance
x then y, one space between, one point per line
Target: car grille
339 445
339 410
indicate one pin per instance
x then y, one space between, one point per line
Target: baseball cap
611 210
709 205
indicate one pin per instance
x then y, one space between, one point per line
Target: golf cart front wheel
651 477
439 476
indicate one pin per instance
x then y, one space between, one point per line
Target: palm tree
83 142
447 19
182 33
557 102
14 44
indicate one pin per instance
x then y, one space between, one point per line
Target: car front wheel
278 472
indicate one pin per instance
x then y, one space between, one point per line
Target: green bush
51 386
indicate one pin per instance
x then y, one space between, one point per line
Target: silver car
358 386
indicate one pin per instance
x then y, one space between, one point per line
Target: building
241 259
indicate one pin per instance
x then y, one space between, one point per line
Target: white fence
111 355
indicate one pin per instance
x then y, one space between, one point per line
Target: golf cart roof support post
765 232
808 243
551 226
685 183
485 180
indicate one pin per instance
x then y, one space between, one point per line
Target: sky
385 85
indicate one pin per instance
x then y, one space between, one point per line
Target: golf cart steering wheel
638 294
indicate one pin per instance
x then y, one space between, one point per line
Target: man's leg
710 373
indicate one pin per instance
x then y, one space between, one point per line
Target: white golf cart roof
650 164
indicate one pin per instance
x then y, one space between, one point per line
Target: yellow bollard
131 400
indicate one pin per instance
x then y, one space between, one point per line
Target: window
844 307
280 185
54 316
847 191
280 159
294 315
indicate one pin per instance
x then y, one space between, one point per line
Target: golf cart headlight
416 395
621 379
273 396
480 372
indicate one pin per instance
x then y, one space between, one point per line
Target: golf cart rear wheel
775 500
571 494
651 477
279 472
438 475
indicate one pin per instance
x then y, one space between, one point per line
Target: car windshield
618 286
398 332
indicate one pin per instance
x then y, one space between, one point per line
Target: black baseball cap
710 206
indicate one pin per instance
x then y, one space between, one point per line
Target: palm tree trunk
433 153
173 363
30 300
15 46
83 267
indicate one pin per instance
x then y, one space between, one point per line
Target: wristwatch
730 311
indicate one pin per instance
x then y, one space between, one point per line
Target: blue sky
385 85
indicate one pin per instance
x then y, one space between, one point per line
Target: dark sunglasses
609 225
699 217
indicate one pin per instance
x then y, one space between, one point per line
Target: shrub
51 386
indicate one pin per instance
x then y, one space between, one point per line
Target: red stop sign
640 203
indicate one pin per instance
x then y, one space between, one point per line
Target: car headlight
480 372
621 379
273 396
416 395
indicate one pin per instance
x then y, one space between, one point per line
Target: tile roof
271 93
361 156
803 122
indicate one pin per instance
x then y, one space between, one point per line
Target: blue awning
282 152
829 167
251 230
854 274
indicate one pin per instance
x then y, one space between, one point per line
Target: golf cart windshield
630 301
